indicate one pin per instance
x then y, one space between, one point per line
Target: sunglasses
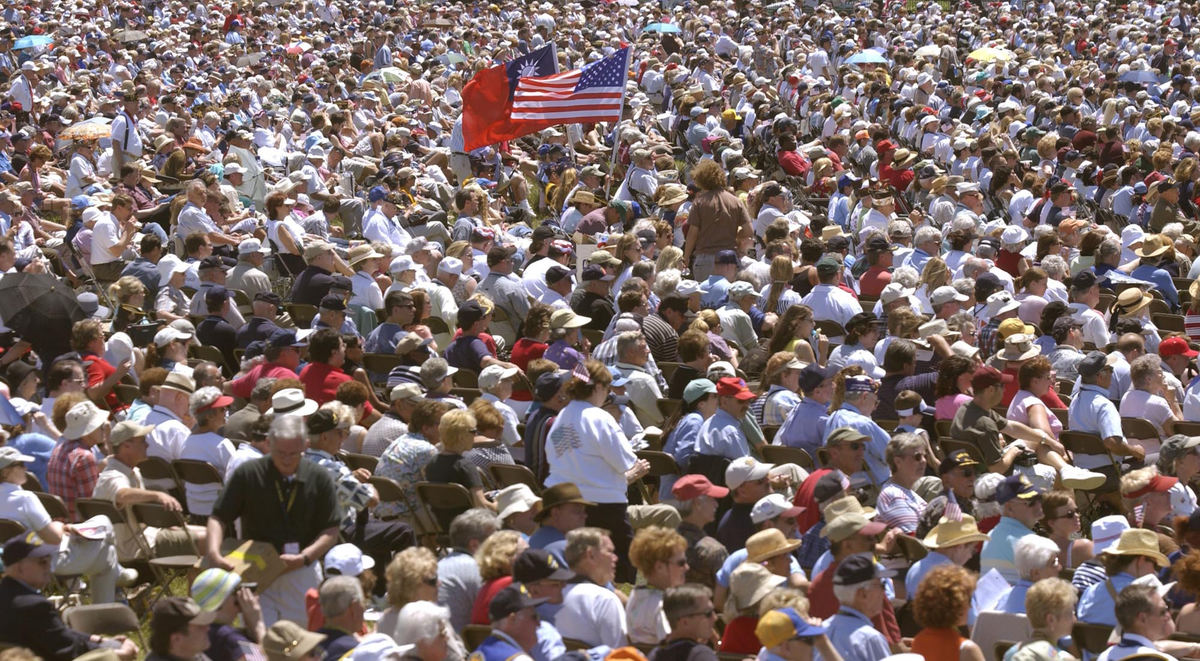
1069 514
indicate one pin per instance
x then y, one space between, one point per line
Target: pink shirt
242 386
947 406
1019 410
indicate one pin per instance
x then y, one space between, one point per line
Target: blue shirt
921 567
714 292
498 647
550 539
1013 601
854 636
1093 412
739 556
1096 606
383 339
550 644
998 550
721 436
804 427
850 416
1162 282
681 444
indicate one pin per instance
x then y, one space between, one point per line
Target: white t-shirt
587 447
1142 404
213 449
105 235
644 616
165 441
591 613
17 504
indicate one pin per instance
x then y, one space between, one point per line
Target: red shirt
822 604
321 381
804 498
523 351
98 370
241 386
739 637
873 281
793 163
479 611
898 179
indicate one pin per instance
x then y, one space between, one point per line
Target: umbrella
393 75
297 47
989 54
251 59
867 57
451 58
126 36
661 27
32 41
1139 76
91 129
932 50
41 309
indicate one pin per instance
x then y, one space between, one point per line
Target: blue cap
376 194
1140 188
726 257
846 180
1016 486
80 202
618 379
284 338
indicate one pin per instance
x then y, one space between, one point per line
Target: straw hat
749 584
1131 301
949 533
1139 541
903 158
766 544
1153 246
362 253
1018 347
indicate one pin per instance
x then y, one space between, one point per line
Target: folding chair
668 369
104 620
769 432
157 468
669 407
507 475
197 473
1078 442
390 491
1139 429
32 483
10 529
356 461
465 378
55 506
1181 427
1167 322
166 568
301 313
949 445
378 365
889 426
474 634
444 502
993 626
503 326
782 454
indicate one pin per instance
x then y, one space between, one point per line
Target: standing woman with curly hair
940 607
718 218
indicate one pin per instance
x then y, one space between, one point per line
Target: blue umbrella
32 41
866 57
661 27
1139 76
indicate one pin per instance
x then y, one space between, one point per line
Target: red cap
219 403
986 377
1157 484
733 387
689 487
885 145
1176 346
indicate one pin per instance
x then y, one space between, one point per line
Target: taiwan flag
488 99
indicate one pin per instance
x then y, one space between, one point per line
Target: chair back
507 475
668 407
32 483
55 506
356 461
993 626
949 445
474 634
661 463
782 454
1138 429
301 313
10 529
194 471
101 619
157 468
444 501
1091 637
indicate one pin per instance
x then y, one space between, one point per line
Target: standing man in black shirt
593 300
286 501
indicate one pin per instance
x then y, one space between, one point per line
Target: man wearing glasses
689 610
514 626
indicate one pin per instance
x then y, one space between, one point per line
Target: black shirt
217 332
893 384
684 374
312 285
256 328
276 511
453 468
736 527
598 308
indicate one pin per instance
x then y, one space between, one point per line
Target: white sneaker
1074 477
128 577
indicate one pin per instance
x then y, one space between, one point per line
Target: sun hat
1018 347
291 401
750 583
783 624
1139 541
560 494
83 419
515 499
288 641
767 544
347 560
213 586
10 455
949 533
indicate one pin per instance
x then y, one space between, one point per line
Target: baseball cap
985 377
852 523
690 487
945 294
698 388
174 612
347 560
729 386
213 586
537 565
745 469
1016 486
469 313
10 455
772 506
956 459
1094 362
510 600
909 402
830 486
1176 346
781 625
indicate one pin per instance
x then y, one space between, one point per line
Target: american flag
595 93
953 510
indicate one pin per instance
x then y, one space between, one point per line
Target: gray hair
261 391
906 276
627 341
1110 246
974 266
287 427
925 234
475 524
666 282
1173 230
1192 141
985 251
338 593
1055 267
964 286
903 443
1144 369
420 621
845 593
1033 552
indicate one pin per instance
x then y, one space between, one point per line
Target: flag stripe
594 93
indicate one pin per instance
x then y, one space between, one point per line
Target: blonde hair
1137 480
456 430
668 259
653 545
125 288
496 554
407 571
783 598
1049 596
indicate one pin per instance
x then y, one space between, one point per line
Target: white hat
745 469
1001 302
316 151
893 292
687 287
168 335
90 215
348 560
924 78
963 349
234 168
771 506
450 266
966 187
566 318
291 401
168 268
401 264
515 499
492 375
1013 235
719 369
251 246
83 419
945 294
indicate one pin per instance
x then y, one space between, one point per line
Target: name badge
291 548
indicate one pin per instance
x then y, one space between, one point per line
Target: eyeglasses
854 446
1069 514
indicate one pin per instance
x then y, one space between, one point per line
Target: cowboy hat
1018 346
1139 541
1153 246
949 533
1131 301
769 543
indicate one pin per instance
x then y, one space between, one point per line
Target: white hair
845 593
985 495
1054 266
338 593
906 276
420 621
925 234
287 427
1033 552
666 282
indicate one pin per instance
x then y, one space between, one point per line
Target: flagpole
612 161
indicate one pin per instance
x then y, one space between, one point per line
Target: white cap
251 246
966 187
348 560
492 375
893 292
945 294
316 151
745 469
234 168
168 335
91 215
401 264
770 506
451 266
687 287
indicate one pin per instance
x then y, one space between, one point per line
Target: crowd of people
869 330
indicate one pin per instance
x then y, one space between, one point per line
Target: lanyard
291 498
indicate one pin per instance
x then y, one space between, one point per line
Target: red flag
488 99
